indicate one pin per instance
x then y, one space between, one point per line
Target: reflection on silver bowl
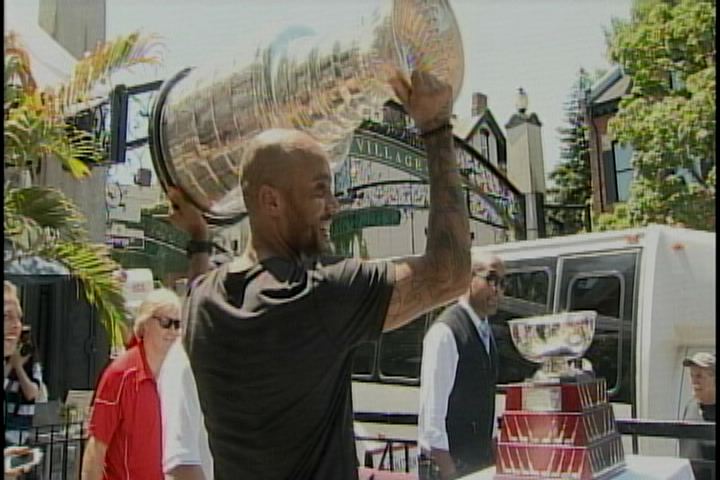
202 120
564 335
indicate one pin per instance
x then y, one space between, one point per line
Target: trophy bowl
553 340
203 118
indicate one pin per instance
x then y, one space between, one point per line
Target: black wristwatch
198 246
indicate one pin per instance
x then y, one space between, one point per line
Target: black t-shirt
270 349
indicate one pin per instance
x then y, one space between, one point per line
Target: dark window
624 179
609 173
677 82
531 286
606 283
623 171
401 350
604 294
599 293
485 144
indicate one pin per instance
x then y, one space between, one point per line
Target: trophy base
599 460
558 428
567 476
578 395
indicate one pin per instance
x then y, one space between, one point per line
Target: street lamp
521 101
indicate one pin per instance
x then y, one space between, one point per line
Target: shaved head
486 286
287 187
481 261
272 157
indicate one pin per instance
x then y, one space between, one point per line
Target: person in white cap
700 408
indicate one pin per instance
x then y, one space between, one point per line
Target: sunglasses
492 279
167 323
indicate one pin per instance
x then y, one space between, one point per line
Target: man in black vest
457 384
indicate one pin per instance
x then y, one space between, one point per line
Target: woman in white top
186 452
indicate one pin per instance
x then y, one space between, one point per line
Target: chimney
479 104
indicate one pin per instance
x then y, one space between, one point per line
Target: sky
538 45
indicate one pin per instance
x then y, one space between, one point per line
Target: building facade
384 191
610 162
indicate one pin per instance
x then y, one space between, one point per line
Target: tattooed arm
442 273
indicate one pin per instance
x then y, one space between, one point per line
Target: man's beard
320 245
316 242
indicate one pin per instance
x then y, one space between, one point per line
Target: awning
36 266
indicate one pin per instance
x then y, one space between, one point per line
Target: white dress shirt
437 377
185 440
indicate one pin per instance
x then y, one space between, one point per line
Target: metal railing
62 445
672 429
625 426
388 458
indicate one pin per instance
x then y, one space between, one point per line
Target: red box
558 430
571 428
556 397
598 460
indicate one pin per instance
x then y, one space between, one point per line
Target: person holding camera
23 375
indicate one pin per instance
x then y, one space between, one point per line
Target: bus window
605 282
364 359
603 293
599 293
531 286
401 351
527 294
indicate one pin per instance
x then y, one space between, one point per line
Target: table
639 467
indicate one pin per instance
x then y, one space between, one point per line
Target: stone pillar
525 166
87 194
77 25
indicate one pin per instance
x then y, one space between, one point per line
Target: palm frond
42 221
17 63
92 265
35 209
35 123
122 53
30 135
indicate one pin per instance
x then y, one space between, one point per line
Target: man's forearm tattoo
447 254
448 240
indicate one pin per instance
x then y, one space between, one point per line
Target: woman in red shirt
125 431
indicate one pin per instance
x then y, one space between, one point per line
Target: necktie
485 334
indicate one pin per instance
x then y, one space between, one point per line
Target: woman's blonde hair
158 299
10 297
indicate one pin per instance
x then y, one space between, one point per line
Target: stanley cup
553 340
202 119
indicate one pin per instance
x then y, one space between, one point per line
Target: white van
654 291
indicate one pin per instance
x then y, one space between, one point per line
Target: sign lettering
497 205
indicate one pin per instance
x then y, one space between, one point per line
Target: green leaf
92 265
43 221
671 127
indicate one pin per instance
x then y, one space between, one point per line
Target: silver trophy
202 119
556 341
558 424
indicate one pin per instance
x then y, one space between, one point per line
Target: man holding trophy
270 334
